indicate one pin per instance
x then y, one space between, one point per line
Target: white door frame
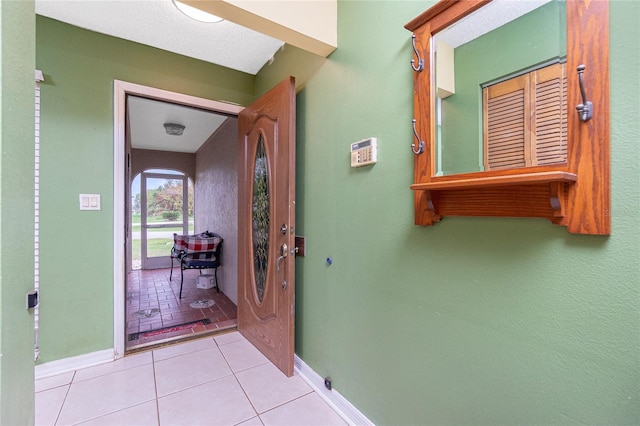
120 91
159 261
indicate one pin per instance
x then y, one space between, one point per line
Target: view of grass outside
136 224
155 247
160 246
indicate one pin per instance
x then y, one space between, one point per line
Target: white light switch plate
89 201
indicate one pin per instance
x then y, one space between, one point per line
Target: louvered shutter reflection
525 120
551 115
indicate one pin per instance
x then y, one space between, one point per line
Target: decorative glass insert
260 219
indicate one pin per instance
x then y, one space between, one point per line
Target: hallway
219 379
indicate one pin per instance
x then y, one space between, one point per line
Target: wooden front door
266 224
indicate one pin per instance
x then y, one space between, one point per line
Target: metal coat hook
420 149
420 66
585 109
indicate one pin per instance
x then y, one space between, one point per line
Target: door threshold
178 339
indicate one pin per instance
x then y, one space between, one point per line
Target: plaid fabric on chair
200 244
203 251
180 244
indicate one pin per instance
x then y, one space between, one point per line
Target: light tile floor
216 380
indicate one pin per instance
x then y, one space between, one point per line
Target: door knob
283 253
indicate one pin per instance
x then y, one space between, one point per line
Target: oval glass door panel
260 218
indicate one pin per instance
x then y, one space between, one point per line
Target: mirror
476 63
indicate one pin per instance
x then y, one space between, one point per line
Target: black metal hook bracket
585 109
420 149
420 66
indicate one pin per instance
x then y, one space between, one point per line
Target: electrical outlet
327 382
32 299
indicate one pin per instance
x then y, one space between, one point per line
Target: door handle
283 253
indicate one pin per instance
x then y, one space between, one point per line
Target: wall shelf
497 181
541 195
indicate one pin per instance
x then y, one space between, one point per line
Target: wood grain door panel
266 224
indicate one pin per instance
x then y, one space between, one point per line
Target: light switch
89 201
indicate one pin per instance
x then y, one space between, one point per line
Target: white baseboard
332 397
73 363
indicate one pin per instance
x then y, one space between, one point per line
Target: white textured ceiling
147 118
486 19
160 24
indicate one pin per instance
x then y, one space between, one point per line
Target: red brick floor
152 303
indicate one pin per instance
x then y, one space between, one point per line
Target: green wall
17 84
290 60
532 39
77 157
473 320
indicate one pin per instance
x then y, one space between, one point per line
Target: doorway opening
164 301
206 166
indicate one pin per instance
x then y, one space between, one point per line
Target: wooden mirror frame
575 194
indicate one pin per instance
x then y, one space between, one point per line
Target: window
525 120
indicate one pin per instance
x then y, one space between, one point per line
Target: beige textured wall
143 159
216 199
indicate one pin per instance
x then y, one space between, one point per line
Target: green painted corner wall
76 246
17 84
473 320
289 60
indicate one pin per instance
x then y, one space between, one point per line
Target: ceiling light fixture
174 129
197 14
